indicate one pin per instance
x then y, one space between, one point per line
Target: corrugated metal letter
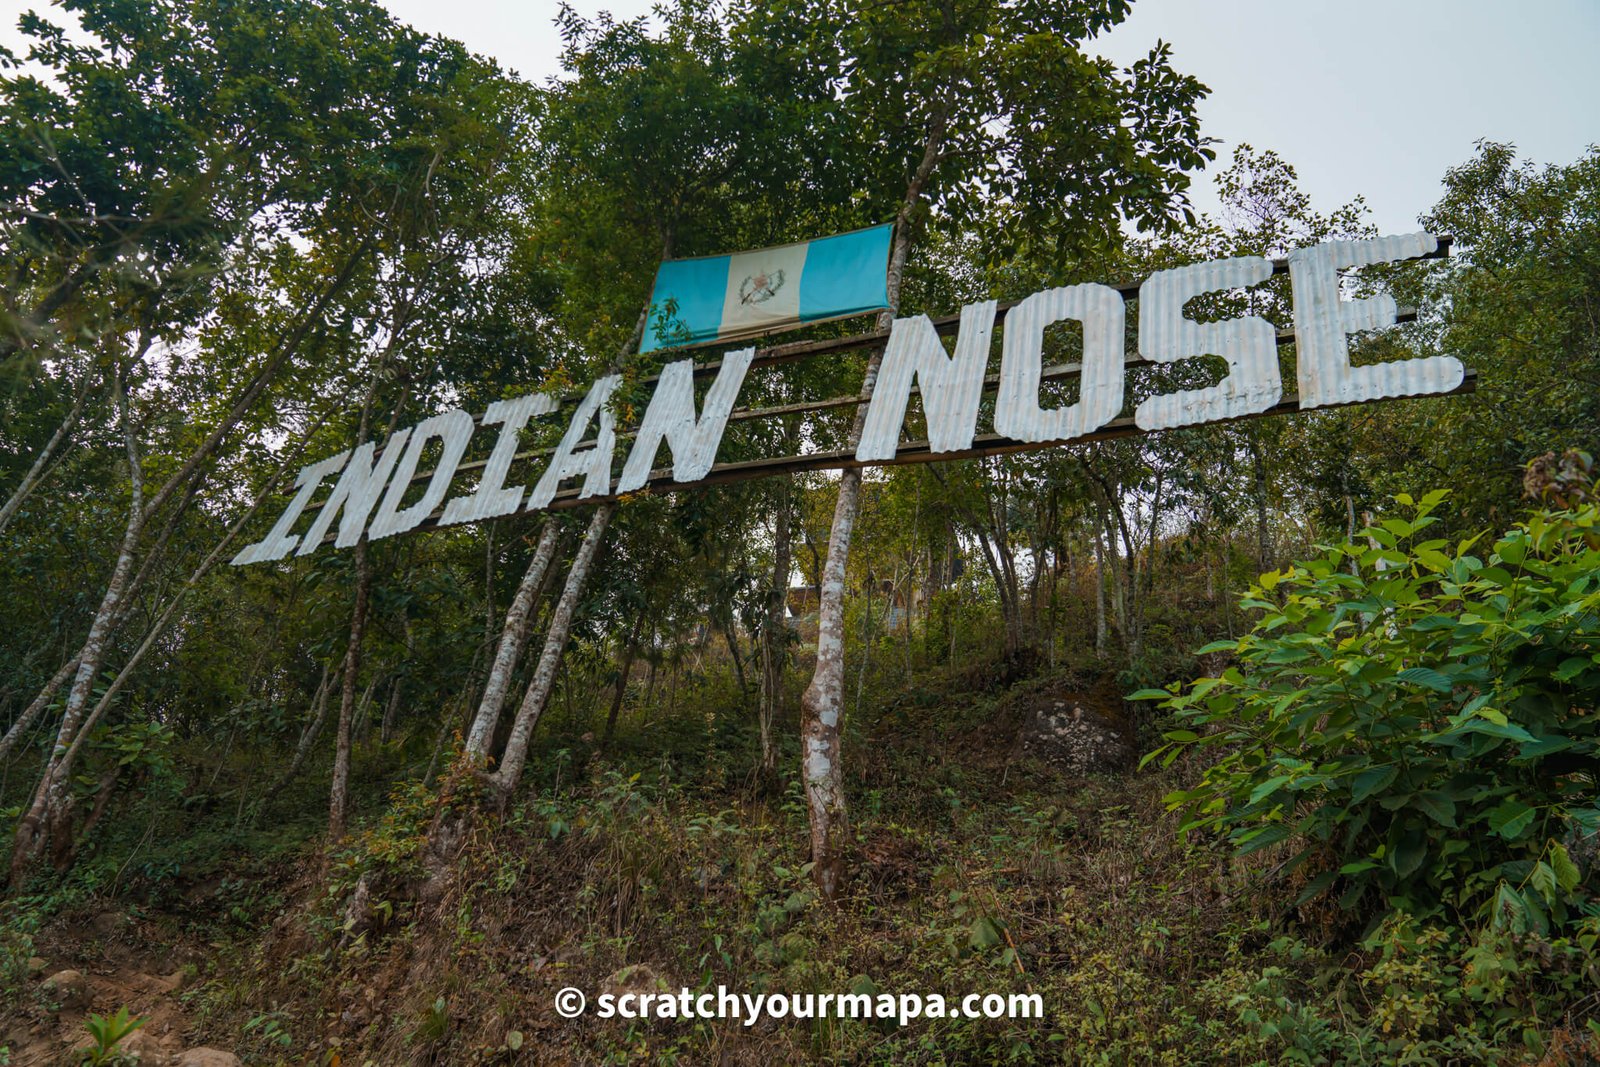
951 385
671 415
453 428
1249 344
493 498
1102 311
279 542
594 464
357 491
1322 322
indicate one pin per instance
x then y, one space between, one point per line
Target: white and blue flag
733 297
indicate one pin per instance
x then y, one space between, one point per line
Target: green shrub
1417 720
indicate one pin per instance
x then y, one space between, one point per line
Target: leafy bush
1417 719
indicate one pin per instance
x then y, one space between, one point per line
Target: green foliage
1415 719
107 1031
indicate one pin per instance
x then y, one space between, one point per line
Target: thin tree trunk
31 713
50 810
513 638
731 639
538 693
47 815
308 736
35 473
630 649
1101 631
339 792
822 706
392 709
774 634
1263 530
866 643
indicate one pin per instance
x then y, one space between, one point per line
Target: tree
946 108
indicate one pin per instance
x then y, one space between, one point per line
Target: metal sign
373 483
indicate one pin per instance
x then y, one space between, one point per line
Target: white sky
1373 97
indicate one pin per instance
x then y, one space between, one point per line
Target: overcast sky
1370 97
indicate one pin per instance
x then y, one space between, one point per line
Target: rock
147 1047
207 1057
68 988
36 965
358 910
1081 740
108 923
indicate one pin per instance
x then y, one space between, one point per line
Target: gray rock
207 1057
1077 738
68 988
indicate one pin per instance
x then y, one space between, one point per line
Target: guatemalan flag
733 297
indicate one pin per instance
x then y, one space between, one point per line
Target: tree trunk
823 703
33 710
1263 530
308 736
339 792
538 694
731 639
48 815
513 638
41 462
775 634
391 711
630 649
1100 630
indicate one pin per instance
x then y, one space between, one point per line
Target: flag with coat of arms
746 294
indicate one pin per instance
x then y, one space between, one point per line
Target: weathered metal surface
453 428
593 465
1102 312
1323 321
1247 344
671 417
951 385
357 491
493 497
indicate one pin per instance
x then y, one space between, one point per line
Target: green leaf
1511 818
1438 807
1370 781
1408 855
1150 694
1567 874
1544 880
1509 731
1268 787
1544 746
1316 887
1263 838
1427 677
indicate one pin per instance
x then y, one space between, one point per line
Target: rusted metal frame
990 444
